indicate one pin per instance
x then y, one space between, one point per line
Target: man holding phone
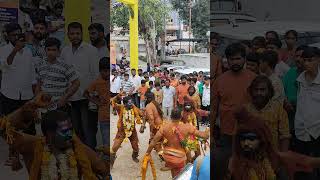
18 73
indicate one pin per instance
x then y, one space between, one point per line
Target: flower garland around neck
189 143
67 169
128 122
192 119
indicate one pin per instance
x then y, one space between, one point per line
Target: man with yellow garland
190 115
154 116
59 154
177 134
129 115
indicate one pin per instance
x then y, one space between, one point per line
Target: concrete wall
199 60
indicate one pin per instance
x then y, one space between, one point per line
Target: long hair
150 95
258 80
240 165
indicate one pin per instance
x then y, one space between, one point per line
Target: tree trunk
147 49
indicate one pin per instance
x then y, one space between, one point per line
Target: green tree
152 15
200 15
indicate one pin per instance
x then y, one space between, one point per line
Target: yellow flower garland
147 159
192 119
128 118
68 165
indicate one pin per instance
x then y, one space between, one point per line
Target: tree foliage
156 9
151 12
200 17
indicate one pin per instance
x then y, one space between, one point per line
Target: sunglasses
248 136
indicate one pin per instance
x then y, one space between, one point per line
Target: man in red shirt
181 91
230 91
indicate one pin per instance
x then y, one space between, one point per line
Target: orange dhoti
175 159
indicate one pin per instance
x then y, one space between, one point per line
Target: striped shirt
55 78
126 86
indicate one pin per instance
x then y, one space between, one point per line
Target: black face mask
129 105
61 139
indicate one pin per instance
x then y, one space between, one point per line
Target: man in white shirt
151 77
307 119
96 33
206 98
137 83
84 58
169 94
97 38
115 83
18 72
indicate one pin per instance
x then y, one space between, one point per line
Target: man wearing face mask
129 116
190 115
154 116
59 154
230 90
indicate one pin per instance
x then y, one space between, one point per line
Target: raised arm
202 134
114 103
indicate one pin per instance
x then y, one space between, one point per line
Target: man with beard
18 73
129 116
176 133
272 112
96 33
97 38
230 90
255 158
181 91
84 58
154 116
40 34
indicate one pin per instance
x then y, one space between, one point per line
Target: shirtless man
154 116
175 132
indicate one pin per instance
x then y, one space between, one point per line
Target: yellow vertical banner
134 33
78 11
134 37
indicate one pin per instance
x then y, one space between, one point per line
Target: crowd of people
274 135
74 78
160 97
